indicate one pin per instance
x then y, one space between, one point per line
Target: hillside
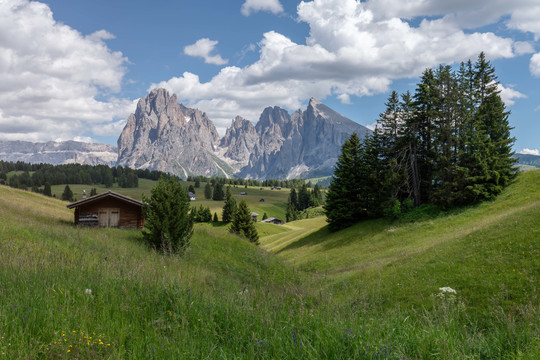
370 291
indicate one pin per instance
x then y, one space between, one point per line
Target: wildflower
88 291
448 290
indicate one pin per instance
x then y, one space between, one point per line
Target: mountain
57 153
167 136
304 144
164 135
528 159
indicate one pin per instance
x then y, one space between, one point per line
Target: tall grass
368 292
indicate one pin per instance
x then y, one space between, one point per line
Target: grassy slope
489 253
352 294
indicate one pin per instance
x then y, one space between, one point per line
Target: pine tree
218 192
168 225
191 189
47 189
229 208
265 216
215 218
242 224
207 191
67 195
343 206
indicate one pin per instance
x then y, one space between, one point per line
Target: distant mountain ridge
57 153
528 159
167 136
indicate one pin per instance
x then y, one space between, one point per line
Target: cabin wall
130 214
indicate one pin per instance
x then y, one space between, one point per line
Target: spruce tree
343 197
207 191
47 189
218 192
229 208
242 224
67 195
168 225
215 217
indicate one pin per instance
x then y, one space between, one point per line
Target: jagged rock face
58 153
164 135
170 137
239 140
303 144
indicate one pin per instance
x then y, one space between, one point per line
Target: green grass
369 291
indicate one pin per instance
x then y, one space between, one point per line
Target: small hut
273 220
254 216
109 209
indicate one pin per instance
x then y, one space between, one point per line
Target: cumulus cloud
50 76
530 152
534 65
252 6
353 49
509 95
202 48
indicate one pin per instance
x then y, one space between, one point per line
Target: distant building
192 196
109 209
254 216
243 193
261 200
273 220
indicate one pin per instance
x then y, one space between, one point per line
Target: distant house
261 200
109 209
243 193
276 188
273 220
254 216
192 196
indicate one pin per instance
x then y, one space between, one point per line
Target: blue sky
73 69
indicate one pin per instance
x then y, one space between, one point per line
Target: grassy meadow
371 291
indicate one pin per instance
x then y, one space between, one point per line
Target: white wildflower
88 291
447 290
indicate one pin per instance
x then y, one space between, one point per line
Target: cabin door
109 217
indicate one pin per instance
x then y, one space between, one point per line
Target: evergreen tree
304 198
215 218
197 182
343 206
316 195
93 191
168 225
107 178
191 189
47 189
218 192
207 191
67 195
265 216
242 224
229 208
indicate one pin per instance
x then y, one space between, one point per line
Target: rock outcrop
164 135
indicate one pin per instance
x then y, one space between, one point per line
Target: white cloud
252 6
530 152
534 65
509 95
523 47
352 50
50 75
202 48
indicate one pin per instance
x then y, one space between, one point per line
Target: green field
275 201
367 292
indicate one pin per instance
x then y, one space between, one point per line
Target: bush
168 225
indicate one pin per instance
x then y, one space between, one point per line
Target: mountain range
168 136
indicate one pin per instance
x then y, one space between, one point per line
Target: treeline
301 200
449 145
247 182
36 176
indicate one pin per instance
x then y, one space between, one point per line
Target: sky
75 69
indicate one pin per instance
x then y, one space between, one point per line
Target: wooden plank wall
130 214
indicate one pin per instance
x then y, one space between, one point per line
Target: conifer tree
67 195
242 224
168 225
207 191
215 217
47 189
229 208
218 192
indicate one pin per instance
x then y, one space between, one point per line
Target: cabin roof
104 195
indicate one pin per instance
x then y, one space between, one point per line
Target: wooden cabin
109 209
